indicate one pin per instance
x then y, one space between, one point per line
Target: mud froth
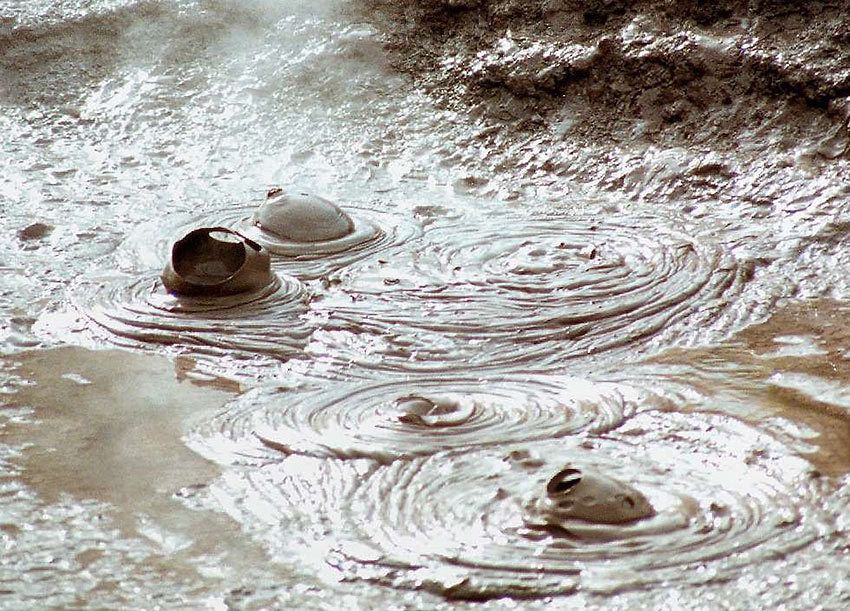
521 290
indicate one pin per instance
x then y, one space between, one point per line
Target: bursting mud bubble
375 234
138 311
473 524
577 255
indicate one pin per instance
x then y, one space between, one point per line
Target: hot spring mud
554 316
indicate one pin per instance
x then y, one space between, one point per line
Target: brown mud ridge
670 72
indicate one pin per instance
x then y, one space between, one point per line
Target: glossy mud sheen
529 291
582 345
302 218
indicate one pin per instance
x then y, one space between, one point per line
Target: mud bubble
296 218
216 262
485 523
138 311
307 236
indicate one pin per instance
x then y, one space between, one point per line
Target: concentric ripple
135 311
374 233
471 524
474 523
415 417
546 289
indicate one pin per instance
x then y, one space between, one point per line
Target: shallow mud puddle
96 412
582 347
98 434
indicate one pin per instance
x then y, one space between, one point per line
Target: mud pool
582 342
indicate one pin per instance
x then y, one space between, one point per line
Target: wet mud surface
98 486
566 333
789 369
416 416
534 292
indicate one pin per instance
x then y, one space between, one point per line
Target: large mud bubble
376 232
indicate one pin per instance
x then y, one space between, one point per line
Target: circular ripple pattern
415 417
473 524
375 233
138 311
526 289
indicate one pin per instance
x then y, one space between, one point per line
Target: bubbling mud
706 495
374 233
528 289
584 496
300 218
385 421
137 311
216 262
479 524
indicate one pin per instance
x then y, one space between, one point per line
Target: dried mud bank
734 114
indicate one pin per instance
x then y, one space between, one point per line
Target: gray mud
93 438
631 73
735 114
601 237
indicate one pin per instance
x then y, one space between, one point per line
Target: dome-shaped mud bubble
216 261
302 225
302 217
578 497
306 236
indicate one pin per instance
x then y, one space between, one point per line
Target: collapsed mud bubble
522 290
217 294
216 262
308 237
385 421
702 497
138 311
